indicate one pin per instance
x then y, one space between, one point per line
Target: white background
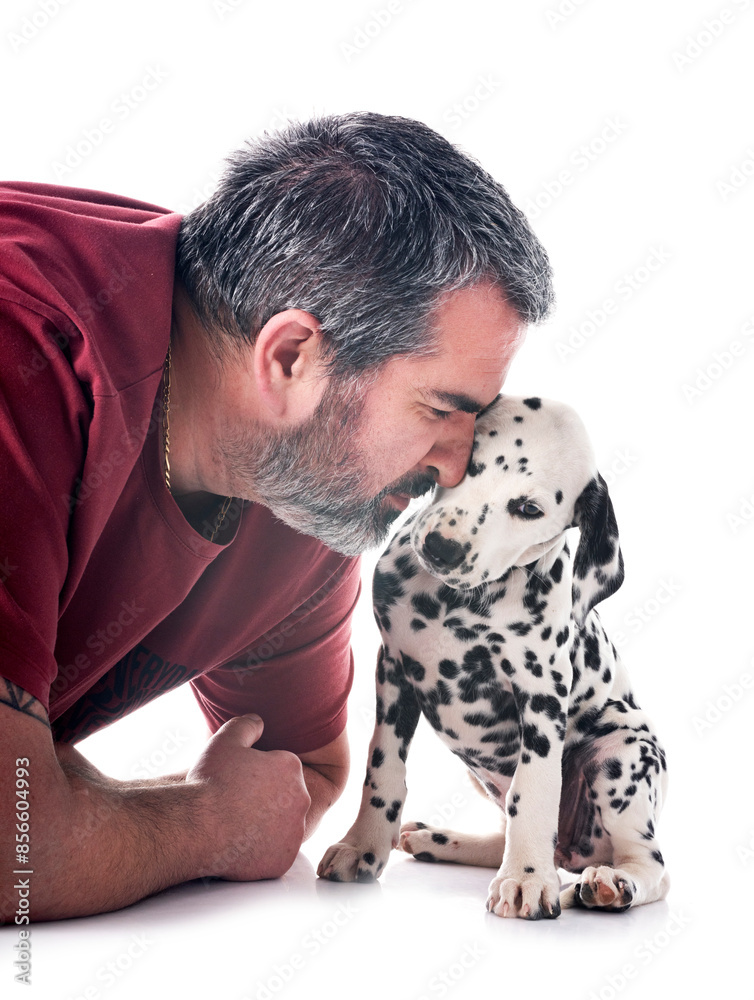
625 131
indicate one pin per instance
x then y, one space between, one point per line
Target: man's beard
313 480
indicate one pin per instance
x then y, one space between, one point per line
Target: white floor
422 931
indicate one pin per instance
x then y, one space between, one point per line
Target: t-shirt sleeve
297 676
42 412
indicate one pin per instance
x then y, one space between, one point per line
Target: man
203 421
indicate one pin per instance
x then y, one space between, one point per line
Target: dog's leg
429 843
363 852
627 790
527 884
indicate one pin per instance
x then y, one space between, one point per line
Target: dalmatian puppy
486 610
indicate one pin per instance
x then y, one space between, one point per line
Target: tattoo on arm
15 696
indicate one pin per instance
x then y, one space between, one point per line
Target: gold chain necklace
166 437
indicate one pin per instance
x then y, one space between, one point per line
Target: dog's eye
529 509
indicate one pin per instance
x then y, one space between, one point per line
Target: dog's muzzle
442 553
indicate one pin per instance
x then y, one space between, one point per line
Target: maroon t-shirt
108 597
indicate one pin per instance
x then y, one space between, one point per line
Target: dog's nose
442 552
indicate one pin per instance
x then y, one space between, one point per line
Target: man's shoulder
99 267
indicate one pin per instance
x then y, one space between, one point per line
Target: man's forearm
106 845
323 793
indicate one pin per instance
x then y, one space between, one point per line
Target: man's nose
449 456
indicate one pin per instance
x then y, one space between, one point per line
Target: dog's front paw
526 893
345 862
602 888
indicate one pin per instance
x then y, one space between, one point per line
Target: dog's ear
598 564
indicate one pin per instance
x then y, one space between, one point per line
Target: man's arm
325 774
95 845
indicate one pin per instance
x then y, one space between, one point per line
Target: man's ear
287 369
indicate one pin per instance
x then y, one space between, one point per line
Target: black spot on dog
369 858
378 757
426 605
546 703
448 669
559 497
534 402
532 663
439 838
412 667
613 768
392 814
406 566
562 636
377 802
520 628
535 741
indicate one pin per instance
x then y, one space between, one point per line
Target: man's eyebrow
456 400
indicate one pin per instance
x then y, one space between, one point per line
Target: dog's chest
463 654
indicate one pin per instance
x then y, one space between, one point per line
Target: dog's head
532 475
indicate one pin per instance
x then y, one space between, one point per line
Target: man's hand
254 803
98 844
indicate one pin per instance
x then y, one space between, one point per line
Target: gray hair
363 220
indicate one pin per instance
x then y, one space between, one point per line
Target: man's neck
194 380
